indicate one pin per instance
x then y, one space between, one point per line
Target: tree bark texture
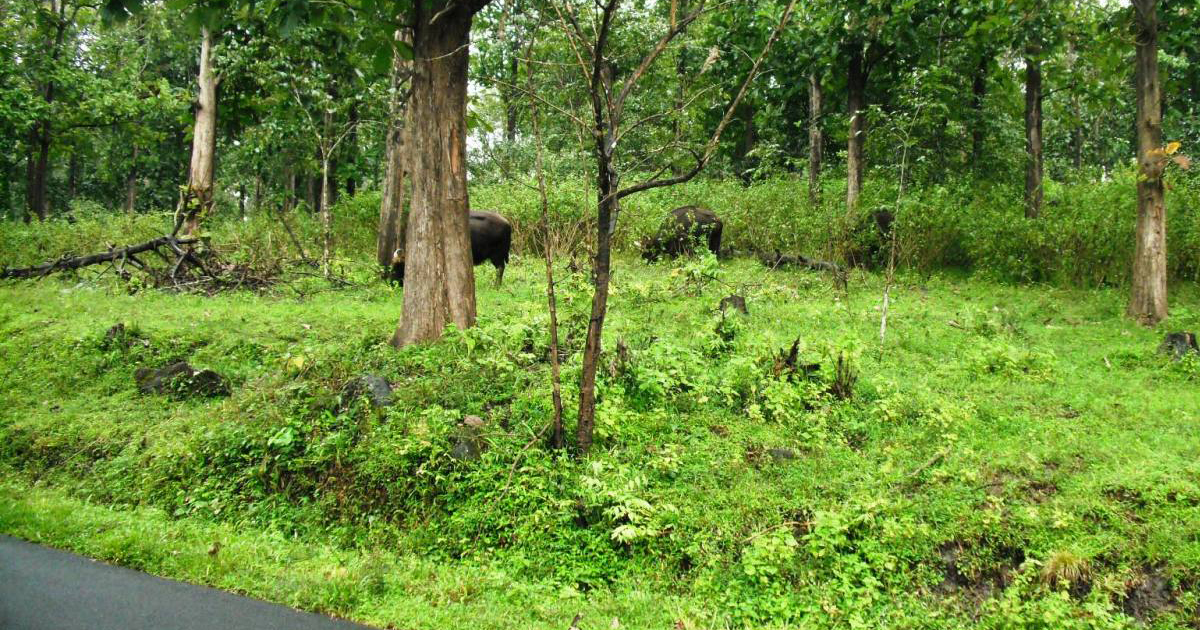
197 200
1148 302
392 213
816 139
1033 137
439 283
856 104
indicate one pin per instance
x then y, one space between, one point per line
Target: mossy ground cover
1011 456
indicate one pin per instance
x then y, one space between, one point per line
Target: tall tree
439 283
196 199
609 97
1034 161
1148 302
816 139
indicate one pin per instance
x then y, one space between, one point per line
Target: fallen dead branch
123 255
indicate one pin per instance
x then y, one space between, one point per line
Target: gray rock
1178 344
470 445
735 302
376 388
181 380
782 454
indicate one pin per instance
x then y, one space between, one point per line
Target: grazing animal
682 230
491 238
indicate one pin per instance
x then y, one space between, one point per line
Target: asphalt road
48 589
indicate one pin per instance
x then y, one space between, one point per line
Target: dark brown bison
491 238
680 233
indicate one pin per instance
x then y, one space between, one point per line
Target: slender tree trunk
746 143
326 219
1148 302
816 139
978 124
39 199
258 191
197 200
439 283
391 208
289 188
559 439
72 176
1033 136
39 171
242 200
856 103
131 182
606 216
510 100
352 151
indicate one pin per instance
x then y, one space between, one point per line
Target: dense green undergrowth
1084 238
1010 457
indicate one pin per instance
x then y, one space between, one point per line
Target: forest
594 314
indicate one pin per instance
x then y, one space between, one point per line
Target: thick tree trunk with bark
1148 302
816 139
391 207
197 199
439 283
856 105
1033 136
978 124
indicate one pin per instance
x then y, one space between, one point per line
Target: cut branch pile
166 261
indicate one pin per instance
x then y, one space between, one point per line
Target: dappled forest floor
1009 456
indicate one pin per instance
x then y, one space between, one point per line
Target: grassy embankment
1010 457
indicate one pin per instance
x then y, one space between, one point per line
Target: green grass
998 429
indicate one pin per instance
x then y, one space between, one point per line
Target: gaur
491 238
682 230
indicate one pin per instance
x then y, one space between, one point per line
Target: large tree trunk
439 282
978 124
815 138
1148 302
197 200
392 217
1033 136
856 101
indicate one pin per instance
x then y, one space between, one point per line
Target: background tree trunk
856 97
289 188
979 124
1033 136
392 213
1148 302
816 139
439 282
352 151
198 198
131 182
